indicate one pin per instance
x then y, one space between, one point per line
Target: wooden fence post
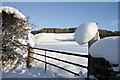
94 39
45 63
29 60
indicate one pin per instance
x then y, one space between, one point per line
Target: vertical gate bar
45 63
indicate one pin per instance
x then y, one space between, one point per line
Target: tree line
103 33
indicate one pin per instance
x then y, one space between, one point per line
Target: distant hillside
106 33
103 33
54 30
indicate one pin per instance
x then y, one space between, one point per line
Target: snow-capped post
94 39
87 33
30 44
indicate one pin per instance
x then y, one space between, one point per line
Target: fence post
94 39
88 74
45 63
29 59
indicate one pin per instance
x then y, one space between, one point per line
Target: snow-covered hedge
106 48
12 33
105 57
12 26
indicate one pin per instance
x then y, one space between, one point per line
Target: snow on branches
13 32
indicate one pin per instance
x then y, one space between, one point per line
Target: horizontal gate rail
56 66
61 60
60 52
67 53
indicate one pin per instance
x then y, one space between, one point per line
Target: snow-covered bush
30 38
106 48
13 25
12 33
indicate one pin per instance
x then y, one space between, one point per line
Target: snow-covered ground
60 42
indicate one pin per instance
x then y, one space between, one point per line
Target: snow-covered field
59 42
62 42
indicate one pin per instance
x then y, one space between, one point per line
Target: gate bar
56 66
62 60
